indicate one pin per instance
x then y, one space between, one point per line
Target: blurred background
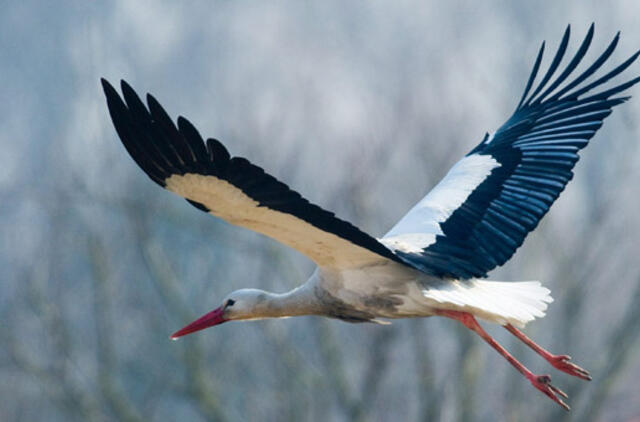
360 106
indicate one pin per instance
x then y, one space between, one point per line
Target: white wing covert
234 189
480 213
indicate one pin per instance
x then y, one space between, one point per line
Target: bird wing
480 213
233 189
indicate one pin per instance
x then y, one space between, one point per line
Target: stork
434 261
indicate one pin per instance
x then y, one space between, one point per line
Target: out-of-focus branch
53 376
620 346
430 395
53 369
334 368
376 369
354 407
293 372
575 280
515 384
468 370
295 375
74 402
198 385
122 408
593 250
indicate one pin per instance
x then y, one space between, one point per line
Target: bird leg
560 362
541 382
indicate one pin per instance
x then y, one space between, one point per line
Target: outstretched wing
480 213
233 189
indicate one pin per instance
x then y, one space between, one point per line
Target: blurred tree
362 107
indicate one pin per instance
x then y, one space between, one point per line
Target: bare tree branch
110 389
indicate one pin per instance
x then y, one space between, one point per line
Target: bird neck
299 301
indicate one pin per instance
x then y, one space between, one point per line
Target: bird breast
387 290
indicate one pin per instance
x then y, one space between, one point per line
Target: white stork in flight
435 259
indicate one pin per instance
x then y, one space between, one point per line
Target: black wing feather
554 64
577 58
537 149
161 149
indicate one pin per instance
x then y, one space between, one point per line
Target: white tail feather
501 302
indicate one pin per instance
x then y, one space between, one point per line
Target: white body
433 261
356 285
391 290
436 257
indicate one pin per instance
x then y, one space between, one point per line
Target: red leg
541 382
560 362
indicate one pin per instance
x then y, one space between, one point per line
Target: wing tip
105 83
572 91
151 100
108 89
124 85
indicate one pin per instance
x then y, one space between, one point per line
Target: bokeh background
362 107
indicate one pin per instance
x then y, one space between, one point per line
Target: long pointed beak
214 317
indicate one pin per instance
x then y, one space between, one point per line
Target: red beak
214 317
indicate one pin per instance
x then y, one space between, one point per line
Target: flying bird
434 261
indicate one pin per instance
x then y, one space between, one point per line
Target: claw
543 383
558 391
561 363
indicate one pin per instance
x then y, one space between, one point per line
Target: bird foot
561 363
543 383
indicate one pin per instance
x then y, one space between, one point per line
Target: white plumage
226 201
433 261
446 197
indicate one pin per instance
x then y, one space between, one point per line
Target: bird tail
500 302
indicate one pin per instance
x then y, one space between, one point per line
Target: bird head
242 304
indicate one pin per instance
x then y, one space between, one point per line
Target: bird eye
230 302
